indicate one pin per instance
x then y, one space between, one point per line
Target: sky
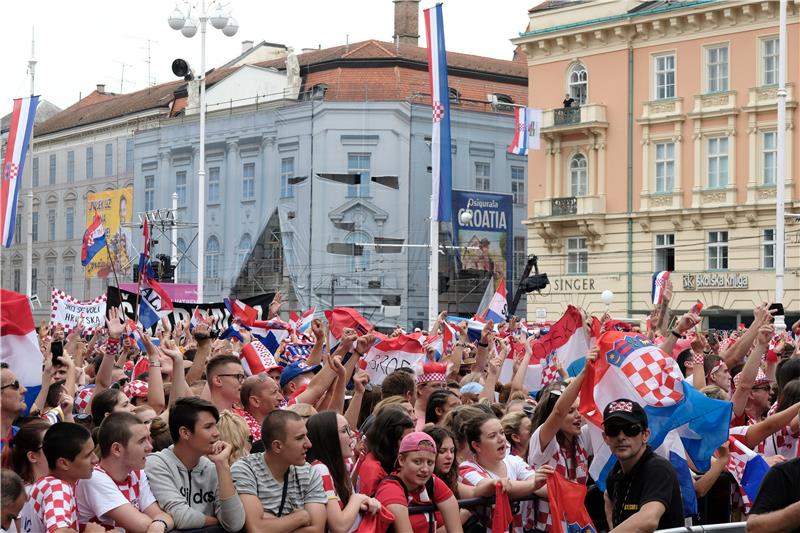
80 43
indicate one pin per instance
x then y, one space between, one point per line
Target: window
520 257
212 258
665 252
360 261
665 167
35 227
18 229
717 69
129 156
70 223
359 163
109 159
149 193
769 61
768 249
68 279
717 162
51 276
518 185
717 250
483 176
503 102
51 224
455 96
35 173
578 83
89 163
51 175
213 185
577 256
578 179
248 181
769 141
665 76
245 244
71 166
180 270
34 280
17 280
287 172
180 187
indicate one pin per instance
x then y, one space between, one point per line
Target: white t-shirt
100 494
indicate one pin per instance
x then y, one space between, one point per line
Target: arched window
181 270
455 96
360 261
245 245
578 83
212 258
578 177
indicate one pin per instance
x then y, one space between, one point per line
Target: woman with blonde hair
517 428
233 429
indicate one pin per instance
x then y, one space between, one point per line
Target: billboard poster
485 242
115 206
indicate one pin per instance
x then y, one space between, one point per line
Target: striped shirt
252 476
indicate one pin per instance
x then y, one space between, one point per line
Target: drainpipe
630 179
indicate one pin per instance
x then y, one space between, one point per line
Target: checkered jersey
550 369
252 424
656 379
102 493
53 504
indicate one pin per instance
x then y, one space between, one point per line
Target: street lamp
181 19
607 297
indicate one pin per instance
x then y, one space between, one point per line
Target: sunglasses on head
630 430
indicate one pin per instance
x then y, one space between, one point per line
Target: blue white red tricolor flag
154 302
442 164
301 323
271 332
498 306
660 280
20 130
295 353
747 467
197 318
94 240
527 121
19 344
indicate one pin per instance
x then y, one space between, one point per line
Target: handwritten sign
67 311
391 354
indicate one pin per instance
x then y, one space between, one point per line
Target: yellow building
666 160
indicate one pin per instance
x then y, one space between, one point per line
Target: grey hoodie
190 496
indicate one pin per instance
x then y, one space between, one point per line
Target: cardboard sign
67 311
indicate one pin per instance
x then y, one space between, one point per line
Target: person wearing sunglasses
642 490
225 376
12 403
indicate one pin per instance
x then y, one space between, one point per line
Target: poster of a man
115 206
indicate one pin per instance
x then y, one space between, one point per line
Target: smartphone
57 350
778 309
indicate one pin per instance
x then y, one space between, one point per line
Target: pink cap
417 441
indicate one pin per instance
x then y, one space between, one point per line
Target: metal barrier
736 527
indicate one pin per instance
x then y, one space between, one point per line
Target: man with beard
192 478
118 493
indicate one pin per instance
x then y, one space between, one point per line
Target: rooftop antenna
347 43
150 80
122 79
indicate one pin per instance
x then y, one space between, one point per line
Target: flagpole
433 268
29 218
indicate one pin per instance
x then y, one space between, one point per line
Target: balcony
569 206
570 119
564 206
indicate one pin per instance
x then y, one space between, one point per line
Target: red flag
566 505
346 317
502 516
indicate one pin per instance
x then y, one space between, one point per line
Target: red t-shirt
370 473
391 492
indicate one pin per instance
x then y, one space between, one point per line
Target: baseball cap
417 441
296 369
624 410
135 389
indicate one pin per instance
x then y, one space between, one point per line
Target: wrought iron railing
566 115
564 206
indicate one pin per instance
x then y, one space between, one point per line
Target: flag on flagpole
20 130
94 240
498 306
527 122
19 344
747 467
154 302
441 167
660 280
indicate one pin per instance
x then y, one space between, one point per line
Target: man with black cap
642 492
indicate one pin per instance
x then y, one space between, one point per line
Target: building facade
667 160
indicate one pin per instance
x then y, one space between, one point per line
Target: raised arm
750 369
202 336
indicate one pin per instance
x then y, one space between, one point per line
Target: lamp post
182 20
607 297
780 238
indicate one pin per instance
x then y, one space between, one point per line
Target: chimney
246 45
406 22
101 88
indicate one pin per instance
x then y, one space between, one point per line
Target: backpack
428 489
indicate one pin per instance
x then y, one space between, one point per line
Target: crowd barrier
736 527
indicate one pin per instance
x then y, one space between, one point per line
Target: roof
554 4
44 111
372 50
97 107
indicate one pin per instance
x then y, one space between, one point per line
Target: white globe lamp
465 217
176 19
219 18
231 27
607 297
189 27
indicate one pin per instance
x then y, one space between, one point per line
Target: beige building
667 158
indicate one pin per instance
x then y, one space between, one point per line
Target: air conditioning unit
290 215
374 284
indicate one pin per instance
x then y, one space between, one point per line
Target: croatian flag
630 366
442 165
393 353
301 323
19 344
567 339
567 506
256 358
747 467
20 130
527 121
297 352
94 240
345 317
474 326
660 280
197 318
232 331
154 302
246 314
498 306
270 332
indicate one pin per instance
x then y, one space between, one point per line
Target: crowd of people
179 433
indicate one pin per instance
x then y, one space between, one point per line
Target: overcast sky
80 43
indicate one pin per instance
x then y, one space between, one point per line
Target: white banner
391 354
67 311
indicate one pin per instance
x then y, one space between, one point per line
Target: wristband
483 344
677 335
166 527
698 358
113 346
